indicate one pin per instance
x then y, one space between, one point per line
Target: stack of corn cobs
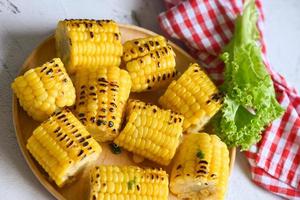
99 111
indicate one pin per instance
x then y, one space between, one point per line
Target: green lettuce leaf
250 103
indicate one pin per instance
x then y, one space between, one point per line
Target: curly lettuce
250 103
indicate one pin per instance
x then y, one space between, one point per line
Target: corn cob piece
62 146
42 90
193 95
101 98
151 132
150 62
83 43
201 168
128 182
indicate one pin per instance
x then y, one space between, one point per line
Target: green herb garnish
132 183
200 154
115 149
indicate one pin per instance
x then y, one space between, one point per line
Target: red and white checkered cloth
205 26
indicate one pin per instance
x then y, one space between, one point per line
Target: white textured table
23 24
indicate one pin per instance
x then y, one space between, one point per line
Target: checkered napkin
205 26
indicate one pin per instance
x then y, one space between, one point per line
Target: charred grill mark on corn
42 90
150 62
83 43
128 182
101 98
195 96
151 132
62 146
206 176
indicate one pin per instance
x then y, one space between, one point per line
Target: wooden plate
24 125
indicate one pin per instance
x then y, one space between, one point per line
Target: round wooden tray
24 125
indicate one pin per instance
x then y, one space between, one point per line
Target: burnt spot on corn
217 97
149 88
158 78
117 36
63 137
88 137
136 42
81 140
179 167
201 171
203 162
213 175
49 71
56 130
43 69
59 134
147 46
174 74
61 117
141 49
80 153
70 144
99 122
110 124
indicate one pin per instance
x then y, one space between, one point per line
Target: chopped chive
200 154
131 183
115 149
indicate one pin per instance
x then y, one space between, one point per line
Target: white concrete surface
23 24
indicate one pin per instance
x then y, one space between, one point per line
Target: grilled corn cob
62 146
101 97
83 43
42 90
193 95
201 168
150 62
151 132
128 182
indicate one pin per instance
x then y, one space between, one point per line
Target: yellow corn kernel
150 62
193 95
102 94
151 132
128 182
201 168
62 146
35 88
83 43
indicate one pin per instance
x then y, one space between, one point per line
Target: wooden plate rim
17 128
